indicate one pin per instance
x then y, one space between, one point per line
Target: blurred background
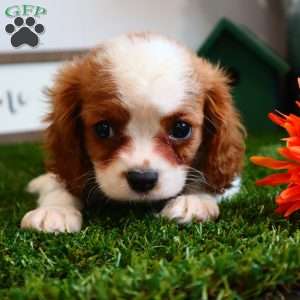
80 24
255 41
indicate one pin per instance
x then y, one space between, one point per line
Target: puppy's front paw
186 208
53 219
43 184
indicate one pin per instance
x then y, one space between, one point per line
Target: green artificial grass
127 253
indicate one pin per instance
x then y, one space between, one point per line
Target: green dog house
258 74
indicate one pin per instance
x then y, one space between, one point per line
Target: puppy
147 120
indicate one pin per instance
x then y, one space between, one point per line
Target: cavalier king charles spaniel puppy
149 121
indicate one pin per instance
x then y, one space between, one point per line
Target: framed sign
24 78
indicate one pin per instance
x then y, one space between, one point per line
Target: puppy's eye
103 130
181 130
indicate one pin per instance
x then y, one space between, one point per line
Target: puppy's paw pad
53 219
186 208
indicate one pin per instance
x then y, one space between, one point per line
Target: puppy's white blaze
151 71
114 184
143 125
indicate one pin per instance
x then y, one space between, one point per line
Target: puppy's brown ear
222 149
64 136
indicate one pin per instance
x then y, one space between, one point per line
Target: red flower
288 201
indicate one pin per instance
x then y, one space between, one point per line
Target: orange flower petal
293 125
291 192
292 209
269 162
276 119
274 179
292 141
280 200
295 176
287 153
295 150
282 208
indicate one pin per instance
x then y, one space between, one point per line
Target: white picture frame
24 78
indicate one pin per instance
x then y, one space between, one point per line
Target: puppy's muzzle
142 181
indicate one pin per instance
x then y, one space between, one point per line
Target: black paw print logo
24 33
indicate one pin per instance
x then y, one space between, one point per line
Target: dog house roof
247 38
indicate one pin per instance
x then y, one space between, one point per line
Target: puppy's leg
185 208
58 210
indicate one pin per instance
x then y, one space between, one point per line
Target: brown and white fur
141 84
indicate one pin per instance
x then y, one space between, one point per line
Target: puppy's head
140 112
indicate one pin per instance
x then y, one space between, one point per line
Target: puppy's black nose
142 180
